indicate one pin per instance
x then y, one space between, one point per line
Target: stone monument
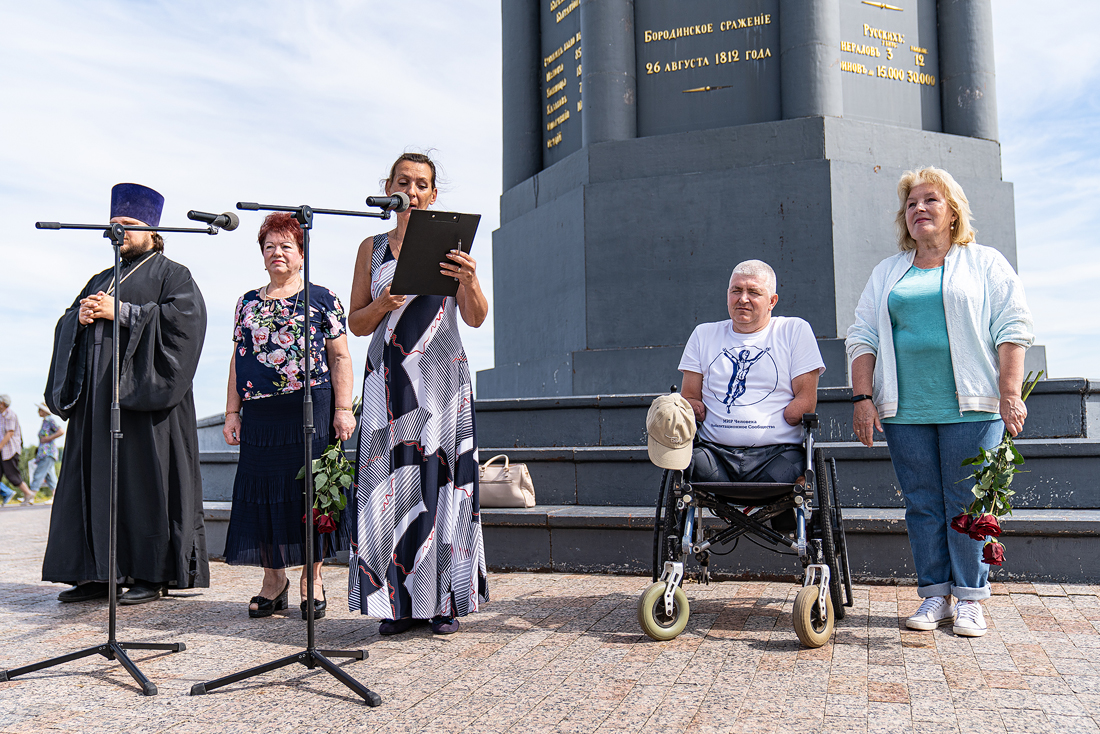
650 145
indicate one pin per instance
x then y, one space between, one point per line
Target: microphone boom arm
253 206
107 228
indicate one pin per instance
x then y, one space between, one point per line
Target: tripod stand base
308 658
109 650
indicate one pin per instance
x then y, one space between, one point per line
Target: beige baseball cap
671 428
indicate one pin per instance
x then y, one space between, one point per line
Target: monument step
1058 474
1070 523
1056 409
1042 545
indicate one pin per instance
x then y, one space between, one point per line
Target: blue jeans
928 460
43 473
5 493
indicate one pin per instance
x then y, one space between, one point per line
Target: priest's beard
130 250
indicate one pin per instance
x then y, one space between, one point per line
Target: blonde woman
937 356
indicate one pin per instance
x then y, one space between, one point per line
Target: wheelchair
744 508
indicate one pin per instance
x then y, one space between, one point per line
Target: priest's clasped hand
99 306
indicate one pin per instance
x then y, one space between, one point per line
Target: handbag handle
498 456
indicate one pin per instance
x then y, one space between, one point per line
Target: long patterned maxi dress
418 548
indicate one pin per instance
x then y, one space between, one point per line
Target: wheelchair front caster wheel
653 618
812 630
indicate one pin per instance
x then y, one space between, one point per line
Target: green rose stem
332 475
994 471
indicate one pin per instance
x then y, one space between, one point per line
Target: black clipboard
428 238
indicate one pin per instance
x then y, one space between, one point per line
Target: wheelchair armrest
809 421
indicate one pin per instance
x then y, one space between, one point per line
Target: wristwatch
857 398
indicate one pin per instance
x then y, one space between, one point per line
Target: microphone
226 220
47 225
399 202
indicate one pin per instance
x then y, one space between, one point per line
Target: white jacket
983 300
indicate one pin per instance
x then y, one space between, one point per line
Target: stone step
1041 545
1062 474
1064 408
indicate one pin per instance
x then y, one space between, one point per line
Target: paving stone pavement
552 653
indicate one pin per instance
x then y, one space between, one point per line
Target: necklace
293 309
264 294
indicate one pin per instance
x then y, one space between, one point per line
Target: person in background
937 362
46 456
11 446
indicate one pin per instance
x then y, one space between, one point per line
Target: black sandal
319 606
267 607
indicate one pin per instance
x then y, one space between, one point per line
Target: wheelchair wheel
842 542
826 523
668 521
652 617
812 630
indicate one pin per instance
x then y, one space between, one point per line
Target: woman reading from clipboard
417 551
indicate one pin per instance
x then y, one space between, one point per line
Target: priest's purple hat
137 202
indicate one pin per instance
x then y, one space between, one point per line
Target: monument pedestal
606 261
650 146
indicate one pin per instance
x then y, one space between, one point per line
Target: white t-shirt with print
747 379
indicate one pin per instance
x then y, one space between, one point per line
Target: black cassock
161 537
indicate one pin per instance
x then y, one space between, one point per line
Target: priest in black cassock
162 320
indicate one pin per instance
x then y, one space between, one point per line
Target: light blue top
983 300
926 382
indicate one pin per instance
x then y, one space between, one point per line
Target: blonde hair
962 231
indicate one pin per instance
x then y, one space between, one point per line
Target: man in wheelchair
749 380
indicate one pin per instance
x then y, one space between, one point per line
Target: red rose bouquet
993 473
332 475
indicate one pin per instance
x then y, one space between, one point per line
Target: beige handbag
505 486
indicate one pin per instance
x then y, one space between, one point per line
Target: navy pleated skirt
265 526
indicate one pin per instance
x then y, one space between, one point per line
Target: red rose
962 523
993 553
984 525
325 524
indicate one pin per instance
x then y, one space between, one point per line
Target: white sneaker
969 619
934 612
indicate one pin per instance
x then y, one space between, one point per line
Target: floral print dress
266 525
270 357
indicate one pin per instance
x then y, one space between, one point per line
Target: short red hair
282 223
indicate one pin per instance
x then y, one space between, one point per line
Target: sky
302 102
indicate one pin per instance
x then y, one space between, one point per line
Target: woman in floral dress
418 553
263 415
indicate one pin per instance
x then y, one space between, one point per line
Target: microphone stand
112 649
311 657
